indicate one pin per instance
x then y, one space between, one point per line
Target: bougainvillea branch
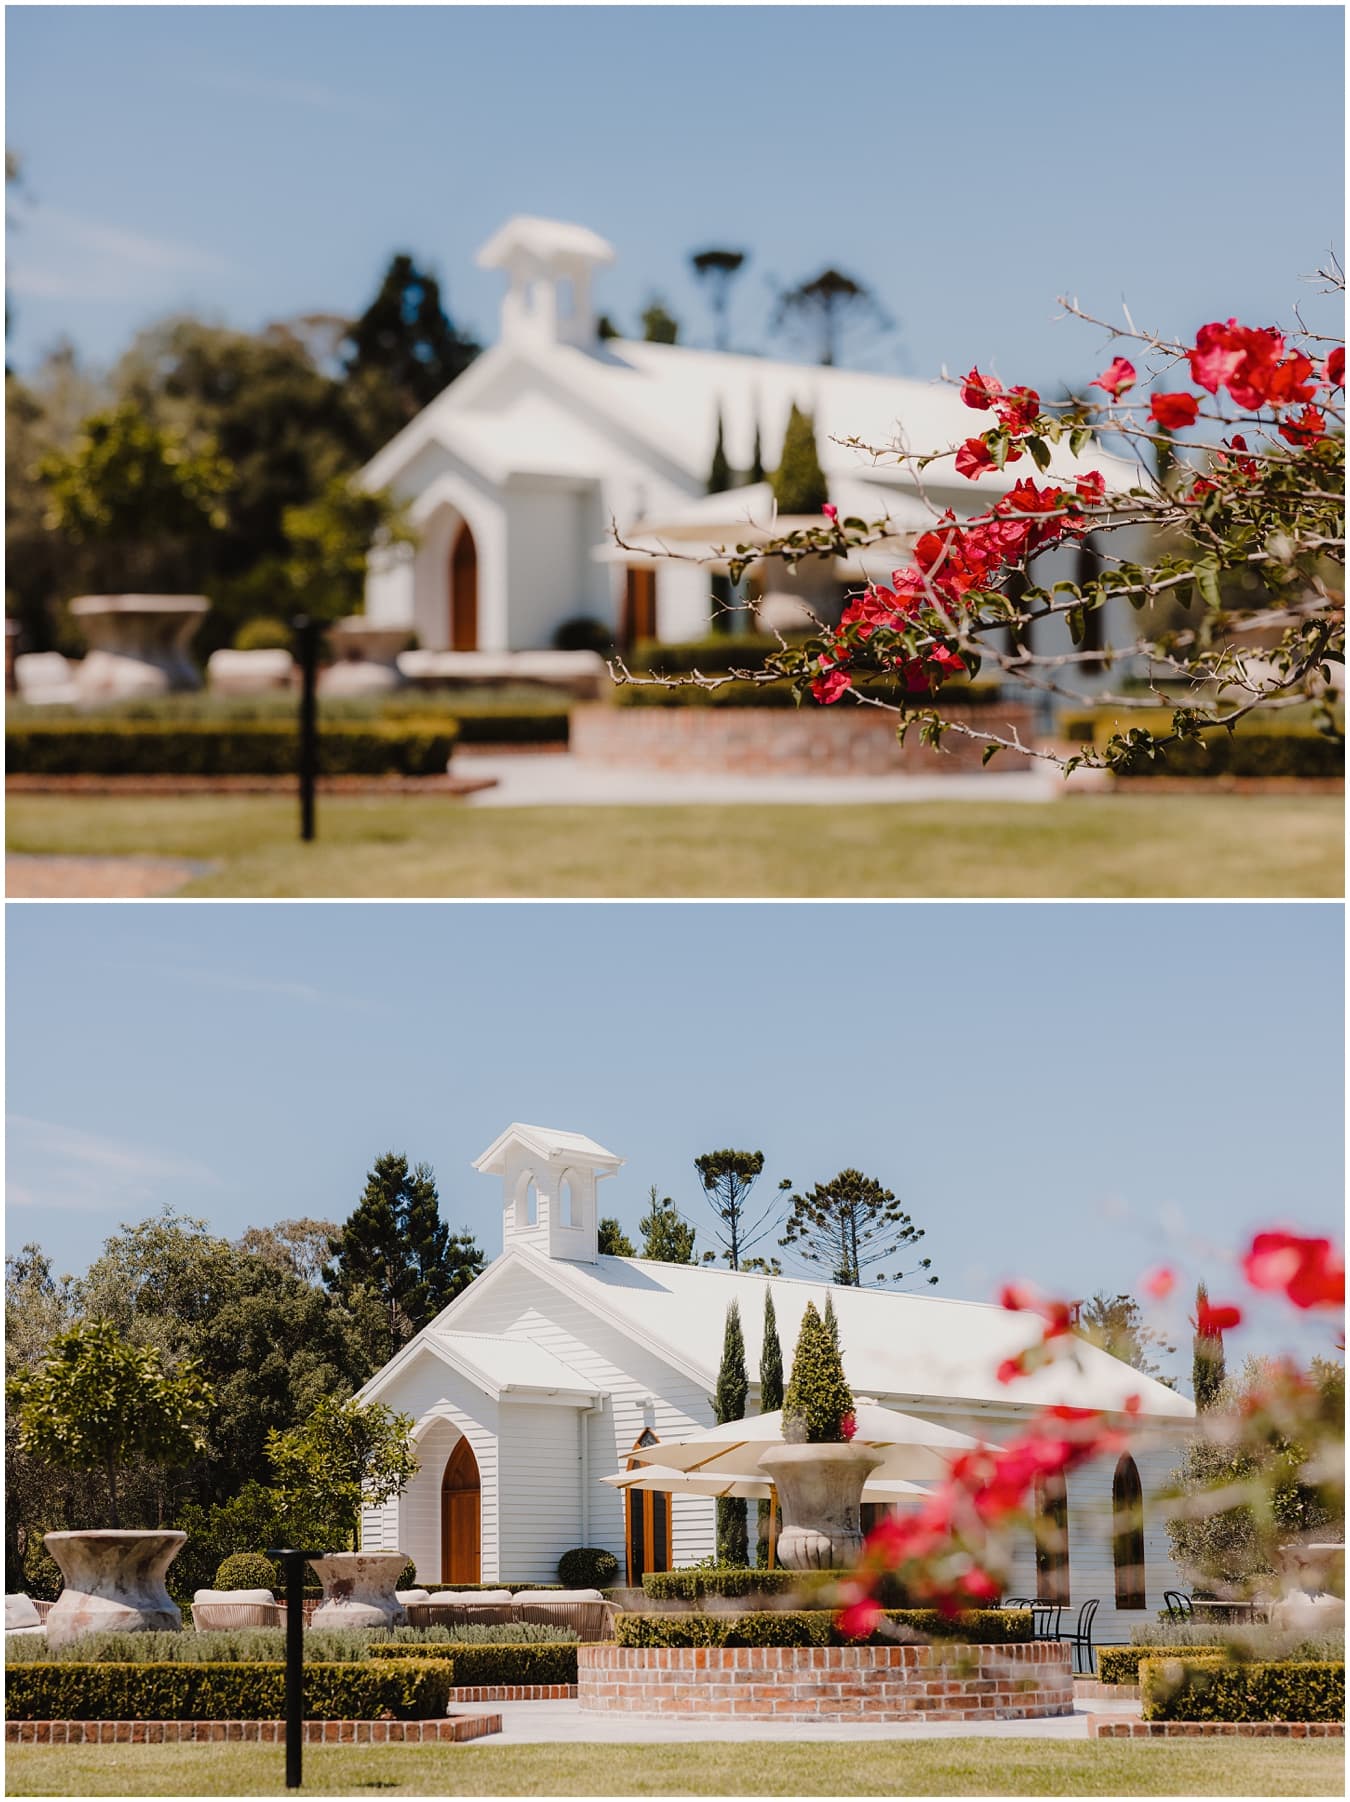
1240 594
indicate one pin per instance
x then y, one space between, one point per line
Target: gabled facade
517 474
543 1375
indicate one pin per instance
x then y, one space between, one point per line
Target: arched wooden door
464 592
648 1533
461 1518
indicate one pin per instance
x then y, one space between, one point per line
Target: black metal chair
1045 1616
1178 1605
1080 1638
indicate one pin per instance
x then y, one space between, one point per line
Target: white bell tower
549 1181
549 264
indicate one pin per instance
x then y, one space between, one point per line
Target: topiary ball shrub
584 634
247 1570
587 1567
264 634
407 1577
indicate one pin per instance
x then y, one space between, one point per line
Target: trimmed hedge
693 1585
1263 749
210 748
1120 1664
1212 1689
817 1627
493 1664
512 729
248 1570
409 1690
781 694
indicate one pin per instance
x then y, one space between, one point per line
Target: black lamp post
293 1564
307 649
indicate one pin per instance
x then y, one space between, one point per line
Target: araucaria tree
99 1401
770 1399
818 1406
666 1238
727 1178
848 1226
733 1386
395 1261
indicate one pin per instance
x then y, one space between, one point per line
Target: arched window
1127 1534
567 1207
1052 1539
648 1522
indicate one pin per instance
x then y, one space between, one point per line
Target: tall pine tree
770 1399
666 1238
394 1264
733 1386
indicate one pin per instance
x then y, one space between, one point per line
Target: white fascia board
550 1269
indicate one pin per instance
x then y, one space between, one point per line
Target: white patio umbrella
911 1449
678 1482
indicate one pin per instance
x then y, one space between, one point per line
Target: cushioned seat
462 1607
221 1610
22 1618
585 1611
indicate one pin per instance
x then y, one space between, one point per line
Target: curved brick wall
876 1683
844 740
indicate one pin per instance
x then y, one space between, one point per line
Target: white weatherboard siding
539 1475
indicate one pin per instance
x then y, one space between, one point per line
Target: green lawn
949 1767
1125 845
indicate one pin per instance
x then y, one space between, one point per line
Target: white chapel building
520 473
545 1373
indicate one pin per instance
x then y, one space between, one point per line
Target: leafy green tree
346 1455
848 1226
818 1396
98 1400
613 1240
298 1246
824 307
659 326
401 353
393 1252
1208 1373
139 495
666 1238
727 1178
1116 1323
770 1399
716 269
329 541
798 483
733 1387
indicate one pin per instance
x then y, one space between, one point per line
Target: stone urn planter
114 1583
358 1590
820 1491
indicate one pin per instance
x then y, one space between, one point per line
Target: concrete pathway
559 779
563 1723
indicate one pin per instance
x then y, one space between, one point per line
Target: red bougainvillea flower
1333 370
1174 412
860 1619
974 457
1117 379
1010 1369
848 1426
831 683
1210 1321
1307 1270
1091 487
1306 429
1244 465
1160 1283
1018 408
980 1586
1015 1297
980 391
830 512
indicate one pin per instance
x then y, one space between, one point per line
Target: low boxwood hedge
1263 748
224 748
408 1689
493 1664
1120 1664
816 1627
512 728
1214 1689
734 1582
781 694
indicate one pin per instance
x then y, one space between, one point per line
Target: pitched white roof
498 1366
547 1143
905 1347
669 396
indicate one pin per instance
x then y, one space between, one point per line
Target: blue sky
1066 1094
971 163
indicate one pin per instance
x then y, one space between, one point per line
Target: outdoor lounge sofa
23 1619
585 1611
220 1610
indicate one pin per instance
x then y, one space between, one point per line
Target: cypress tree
770 1398
799 484
830 1320
1207 1366
757 461
733 1386
818 1396
720 476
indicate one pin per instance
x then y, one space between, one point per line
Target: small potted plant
819 1473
